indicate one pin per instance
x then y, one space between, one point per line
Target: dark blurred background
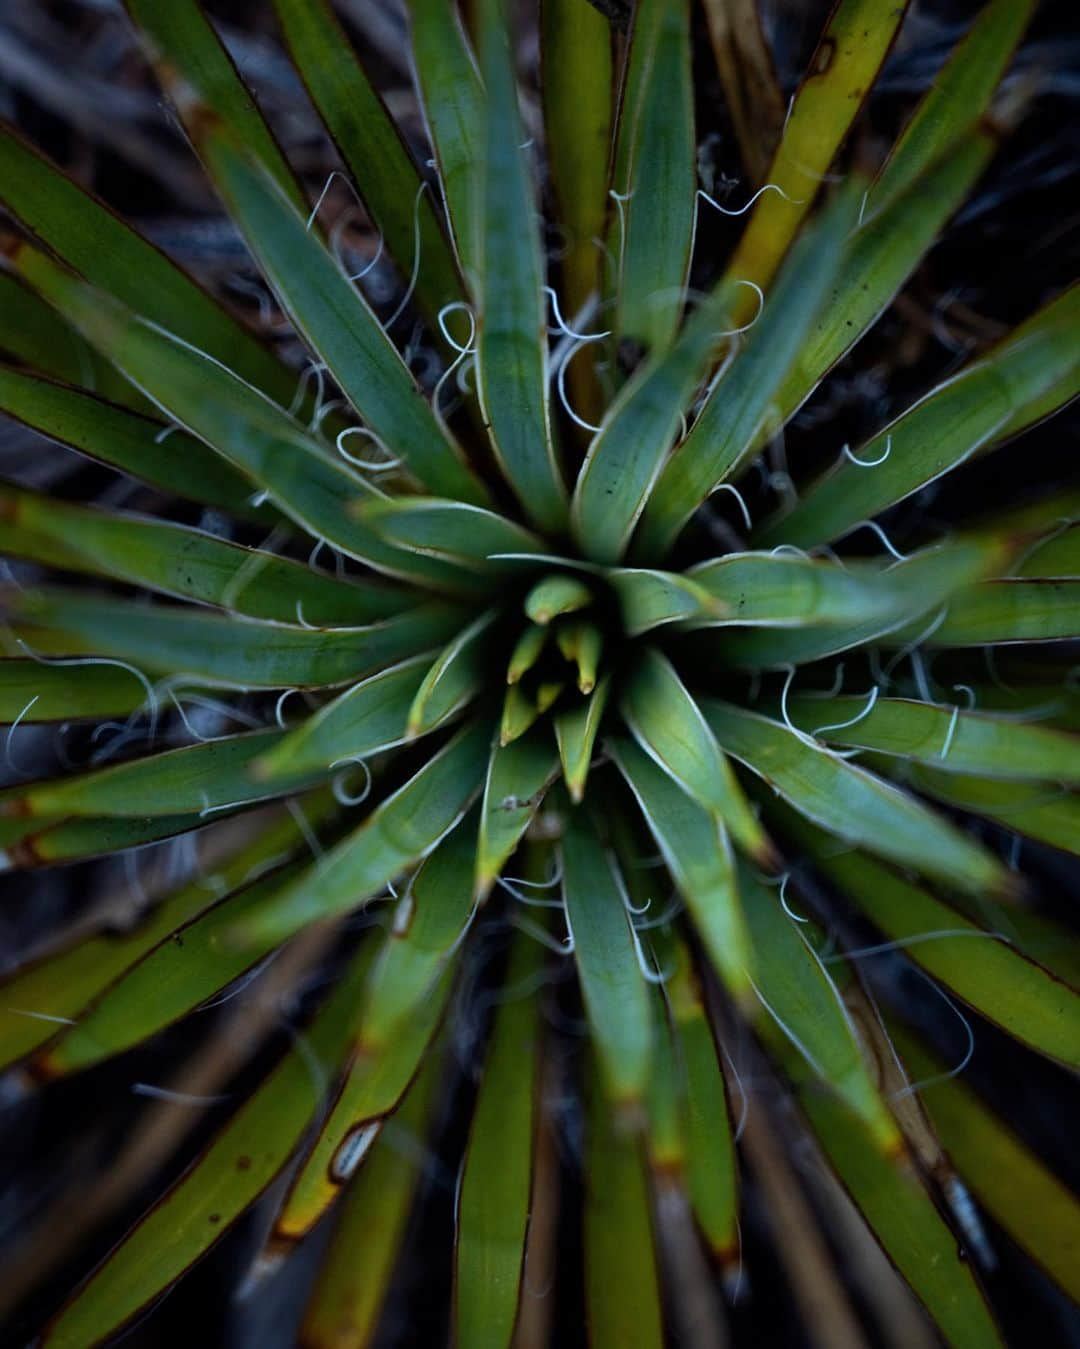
73 80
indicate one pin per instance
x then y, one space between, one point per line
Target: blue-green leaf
511 339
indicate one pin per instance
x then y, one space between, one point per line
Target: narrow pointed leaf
526 652
881 256
37 337
454 678
548 694
800 996
517 776
355 1276
876 603
841 71
1057 557
554 596
1042 811
984 970
203 1204
577 90
622 1289
1041 939
626 455
195 962
1038 700
957 98
1039 516
453 100
648 599
943 736
84 233
238 653
336 321
430 923
698 854
368 717
198 779
511 340
899 1211
852 803
141 446
260 439
40 997
575 732
961 417
398 833
372 1088
1011 611
373 150
496 1179
665 1135
711 1168
47 842
520 711
182 562
725 430
582 644
33 692
1030 1202
1064 309
612 985
181 41
453 531
668 724
779 590
652 233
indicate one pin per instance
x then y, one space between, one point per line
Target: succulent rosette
532 700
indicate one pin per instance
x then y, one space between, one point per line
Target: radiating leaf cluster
499 696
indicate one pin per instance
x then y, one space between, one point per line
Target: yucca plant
522 713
